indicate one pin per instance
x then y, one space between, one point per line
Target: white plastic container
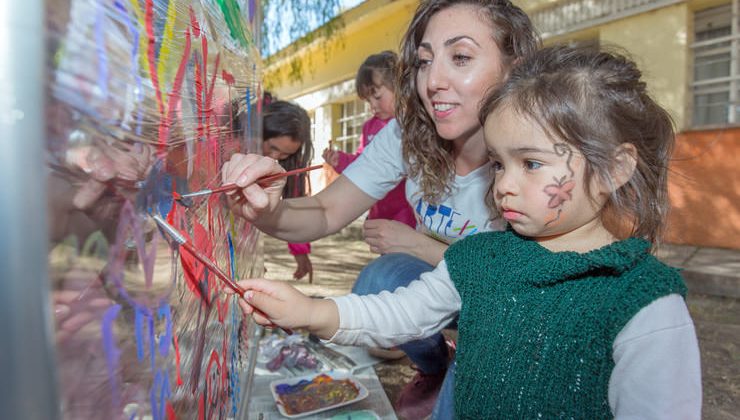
363 392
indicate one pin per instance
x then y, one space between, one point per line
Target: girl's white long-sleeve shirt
657 372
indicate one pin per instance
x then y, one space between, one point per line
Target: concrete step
712 271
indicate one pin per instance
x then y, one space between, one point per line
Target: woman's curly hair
429 156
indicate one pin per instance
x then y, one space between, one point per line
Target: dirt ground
337 260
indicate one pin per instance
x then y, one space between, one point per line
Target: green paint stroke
232 15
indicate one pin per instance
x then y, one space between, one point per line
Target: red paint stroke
174 96
170 412
222 307
192 271
215 384
199 99
465 226
221 226
228 78
259 100
149 18
210 115
177 361
209 94
194 23
209 211
172 215
201 407
202 240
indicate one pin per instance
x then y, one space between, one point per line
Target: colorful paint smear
140 94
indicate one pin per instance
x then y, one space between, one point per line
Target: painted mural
146 100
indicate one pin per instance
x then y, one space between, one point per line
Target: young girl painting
286 137
558 317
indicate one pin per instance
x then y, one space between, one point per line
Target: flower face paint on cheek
560 191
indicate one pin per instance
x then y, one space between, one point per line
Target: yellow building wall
658 41
371 27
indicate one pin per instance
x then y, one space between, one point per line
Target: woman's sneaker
418 397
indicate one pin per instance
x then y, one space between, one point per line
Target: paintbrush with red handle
233 187
198 255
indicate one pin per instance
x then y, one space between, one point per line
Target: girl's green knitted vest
536 328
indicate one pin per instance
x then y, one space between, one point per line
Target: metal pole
27 367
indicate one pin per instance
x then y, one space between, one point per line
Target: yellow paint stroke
143 40
95 242
232 226
165 49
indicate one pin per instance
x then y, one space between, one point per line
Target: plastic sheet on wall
147 99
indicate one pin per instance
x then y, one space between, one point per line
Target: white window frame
354 113
704 20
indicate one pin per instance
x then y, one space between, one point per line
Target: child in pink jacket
375 84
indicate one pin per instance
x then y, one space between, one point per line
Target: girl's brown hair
281 118
429 156
382 64
597 101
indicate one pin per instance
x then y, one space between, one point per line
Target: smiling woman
452 53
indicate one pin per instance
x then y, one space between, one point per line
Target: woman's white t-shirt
381 167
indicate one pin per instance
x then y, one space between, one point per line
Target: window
716 73
354 114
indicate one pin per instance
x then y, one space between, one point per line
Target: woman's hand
387 236
278 303
253 199
331 157
303 267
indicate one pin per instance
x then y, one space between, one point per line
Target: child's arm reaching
424 307
279 303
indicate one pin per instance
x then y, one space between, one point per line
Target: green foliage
313 20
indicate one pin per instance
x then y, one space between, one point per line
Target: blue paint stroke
248 134
112 353
100 49
252 10
232 262
235 385
156 194
162 384
139 318
164 342
134 32
152 341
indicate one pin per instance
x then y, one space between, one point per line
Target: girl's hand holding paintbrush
272 302
253 198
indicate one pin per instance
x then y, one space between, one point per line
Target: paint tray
312 384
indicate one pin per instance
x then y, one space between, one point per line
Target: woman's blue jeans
430 355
